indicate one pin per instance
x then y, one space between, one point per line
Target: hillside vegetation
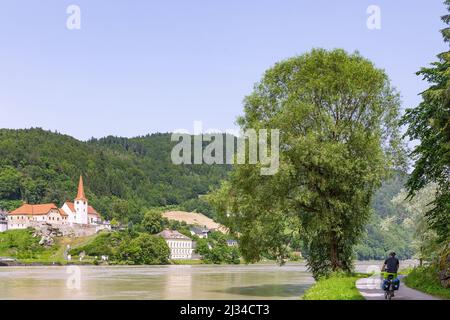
122 175
426 279
125 176
389 227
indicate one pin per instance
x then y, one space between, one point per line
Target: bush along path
370 289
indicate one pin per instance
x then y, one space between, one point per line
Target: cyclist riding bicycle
390 268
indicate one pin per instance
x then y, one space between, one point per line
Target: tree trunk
334 252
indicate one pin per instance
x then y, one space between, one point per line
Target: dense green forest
387 229
123 177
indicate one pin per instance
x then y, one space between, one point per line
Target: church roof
71 206
34 209
80 194
91 209
62 212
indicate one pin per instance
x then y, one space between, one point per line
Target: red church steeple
80 195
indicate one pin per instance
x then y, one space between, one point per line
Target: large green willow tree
338 121
429 122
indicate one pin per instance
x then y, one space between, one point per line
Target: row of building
78 212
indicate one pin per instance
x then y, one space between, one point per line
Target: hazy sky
138 67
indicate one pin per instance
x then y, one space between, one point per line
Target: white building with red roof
22 217
77 212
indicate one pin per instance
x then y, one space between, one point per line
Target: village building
3 220
24 216
181 247
77 212
232 243
202 233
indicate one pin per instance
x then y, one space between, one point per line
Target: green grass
21 245
426 279
405 271
335 287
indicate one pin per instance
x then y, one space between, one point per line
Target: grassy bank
335 287
21 245
426 279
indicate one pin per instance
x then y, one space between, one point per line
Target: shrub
145 249
426 279
20 244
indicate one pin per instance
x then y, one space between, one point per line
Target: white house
3 221
22 217
181 247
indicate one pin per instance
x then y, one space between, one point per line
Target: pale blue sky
138 67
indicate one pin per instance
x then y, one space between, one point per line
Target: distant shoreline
405 264
89 263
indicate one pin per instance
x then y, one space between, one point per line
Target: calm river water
261 281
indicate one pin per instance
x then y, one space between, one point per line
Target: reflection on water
178 284
269 290
160 282
155 282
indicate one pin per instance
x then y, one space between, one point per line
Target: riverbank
335 287
12 262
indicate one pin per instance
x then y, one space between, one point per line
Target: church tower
81 205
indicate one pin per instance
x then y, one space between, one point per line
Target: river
260 281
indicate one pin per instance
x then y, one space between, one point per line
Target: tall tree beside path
429 123
338 118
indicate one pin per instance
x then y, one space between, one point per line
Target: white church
78 212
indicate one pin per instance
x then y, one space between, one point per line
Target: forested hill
387 229
121 175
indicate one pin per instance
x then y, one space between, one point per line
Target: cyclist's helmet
392 254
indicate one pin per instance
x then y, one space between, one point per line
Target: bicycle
390 284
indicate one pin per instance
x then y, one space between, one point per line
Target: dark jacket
392 264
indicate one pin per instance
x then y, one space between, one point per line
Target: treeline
140 244
127 248
122 176
387 229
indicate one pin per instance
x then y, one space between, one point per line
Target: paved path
370 290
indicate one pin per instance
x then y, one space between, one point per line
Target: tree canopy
429 123
338 119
